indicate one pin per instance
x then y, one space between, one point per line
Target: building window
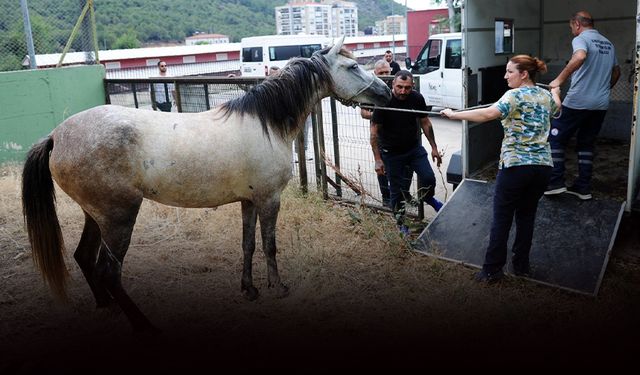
112 65
504 36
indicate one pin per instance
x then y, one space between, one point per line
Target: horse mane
282 103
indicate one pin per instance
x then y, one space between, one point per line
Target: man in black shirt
396 144
395 67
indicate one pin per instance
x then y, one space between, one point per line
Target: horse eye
354 66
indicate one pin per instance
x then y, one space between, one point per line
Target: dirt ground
359 298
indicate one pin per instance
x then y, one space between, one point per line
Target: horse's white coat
186 160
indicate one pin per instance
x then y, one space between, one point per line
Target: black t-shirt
395 67
400 131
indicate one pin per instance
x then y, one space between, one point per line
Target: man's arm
153 96
615 74
373 140
555 94
426 126
173 94
574 64
366 113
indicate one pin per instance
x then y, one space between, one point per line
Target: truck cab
439 69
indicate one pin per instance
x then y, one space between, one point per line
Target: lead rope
353 104
544 86
422 112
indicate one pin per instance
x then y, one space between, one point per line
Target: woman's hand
447 113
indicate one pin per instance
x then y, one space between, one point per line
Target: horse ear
337 46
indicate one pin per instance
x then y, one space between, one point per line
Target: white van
439 68
261 52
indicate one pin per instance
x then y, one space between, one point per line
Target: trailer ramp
571 243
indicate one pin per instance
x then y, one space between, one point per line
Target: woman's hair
532 65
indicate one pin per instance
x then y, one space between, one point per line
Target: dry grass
359 297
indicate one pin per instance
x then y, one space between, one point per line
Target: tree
454 14
126 41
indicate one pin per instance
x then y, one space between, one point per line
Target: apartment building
395 24
330 18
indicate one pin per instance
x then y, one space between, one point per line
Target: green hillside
136 23
153 21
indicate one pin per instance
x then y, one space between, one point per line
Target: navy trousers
384 189
383 182
518 190
395 165
587 124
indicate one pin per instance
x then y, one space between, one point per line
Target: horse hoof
108 309
105 303
250 293
282 291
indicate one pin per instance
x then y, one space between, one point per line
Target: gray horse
109 158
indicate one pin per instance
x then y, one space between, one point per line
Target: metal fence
334 154
45 25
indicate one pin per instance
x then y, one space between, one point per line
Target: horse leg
116 237
249 215
86 256
268 214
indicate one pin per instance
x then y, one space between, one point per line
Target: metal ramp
571 243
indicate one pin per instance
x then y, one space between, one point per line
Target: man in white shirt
160 91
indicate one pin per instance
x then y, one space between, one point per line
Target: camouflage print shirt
526 114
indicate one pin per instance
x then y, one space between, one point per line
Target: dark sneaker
436 204
555 189
583 194
521 271
386 203
489 277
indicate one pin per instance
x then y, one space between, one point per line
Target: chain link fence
47 26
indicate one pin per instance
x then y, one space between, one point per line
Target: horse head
353 85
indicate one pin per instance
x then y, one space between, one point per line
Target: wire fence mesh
344 135
51 26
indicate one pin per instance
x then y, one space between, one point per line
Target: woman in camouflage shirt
525 162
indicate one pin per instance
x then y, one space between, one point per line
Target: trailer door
430 68
452 74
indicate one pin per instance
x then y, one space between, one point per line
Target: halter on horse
109 158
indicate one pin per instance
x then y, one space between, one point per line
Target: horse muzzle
381 92
376 93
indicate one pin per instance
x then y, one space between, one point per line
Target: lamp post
393 30
406 31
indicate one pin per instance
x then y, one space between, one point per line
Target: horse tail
41 220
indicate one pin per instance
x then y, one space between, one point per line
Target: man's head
402 84
388 56
274 70
162 66
580 21
381 68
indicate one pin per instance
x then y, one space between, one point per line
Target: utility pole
393 38
28 35
406 32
